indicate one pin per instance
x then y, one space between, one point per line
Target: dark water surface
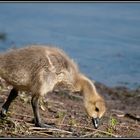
103 38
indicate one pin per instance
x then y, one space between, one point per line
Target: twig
92 130
54 102
42 133
89 134
51 129
124 114
118 111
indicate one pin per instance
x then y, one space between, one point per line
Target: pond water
103 38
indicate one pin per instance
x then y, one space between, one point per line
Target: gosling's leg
37 118
13 94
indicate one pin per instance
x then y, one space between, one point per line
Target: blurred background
103 38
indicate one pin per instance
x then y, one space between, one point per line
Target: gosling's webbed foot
51 127
3 113
43 125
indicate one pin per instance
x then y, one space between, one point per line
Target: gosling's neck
86 87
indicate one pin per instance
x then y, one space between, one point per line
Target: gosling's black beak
95 122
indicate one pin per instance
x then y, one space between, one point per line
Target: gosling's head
95 109
94 103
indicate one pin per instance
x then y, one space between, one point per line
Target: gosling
40 69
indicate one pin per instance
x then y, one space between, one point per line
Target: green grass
112 125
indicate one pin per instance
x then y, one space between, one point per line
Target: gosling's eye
97 109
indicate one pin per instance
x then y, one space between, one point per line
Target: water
103 38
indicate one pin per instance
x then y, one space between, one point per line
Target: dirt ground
65 112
